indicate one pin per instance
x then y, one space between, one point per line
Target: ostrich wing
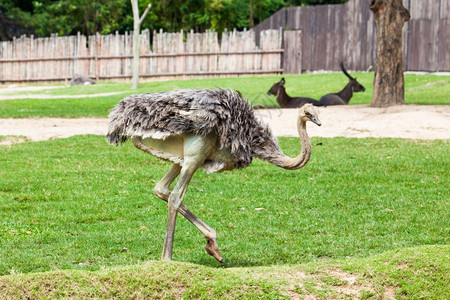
201 112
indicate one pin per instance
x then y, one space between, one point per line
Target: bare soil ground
407 121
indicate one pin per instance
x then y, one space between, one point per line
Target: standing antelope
344 96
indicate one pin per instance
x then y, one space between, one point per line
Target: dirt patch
9 140
332 284
41 129
406 121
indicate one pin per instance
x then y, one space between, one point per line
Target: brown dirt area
406 121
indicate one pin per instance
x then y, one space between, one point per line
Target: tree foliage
44 17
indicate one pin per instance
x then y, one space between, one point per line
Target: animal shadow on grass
229 263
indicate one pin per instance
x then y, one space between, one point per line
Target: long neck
295 163
346 93
270 152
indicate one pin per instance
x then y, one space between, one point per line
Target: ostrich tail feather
116 129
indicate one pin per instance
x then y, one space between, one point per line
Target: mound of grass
420 89
411 273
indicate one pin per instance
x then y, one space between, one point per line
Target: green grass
76 205
420 89
78 218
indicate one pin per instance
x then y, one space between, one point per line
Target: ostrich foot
213 249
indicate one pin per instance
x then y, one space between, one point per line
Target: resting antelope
286 101
344 96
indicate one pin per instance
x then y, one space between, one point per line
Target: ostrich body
215 130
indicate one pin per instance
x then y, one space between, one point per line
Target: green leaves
66 17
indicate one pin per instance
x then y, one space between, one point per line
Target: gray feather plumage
222 112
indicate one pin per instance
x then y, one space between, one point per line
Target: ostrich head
309 112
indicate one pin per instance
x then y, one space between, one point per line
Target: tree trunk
388 85
251 20
137 40
136 44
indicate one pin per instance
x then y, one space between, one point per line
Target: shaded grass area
420 89
410 273
79 203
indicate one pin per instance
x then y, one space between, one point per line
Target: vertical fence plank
181 48
443 37
232 48
264 42
292 56
224 48
213 47
144 49
306 17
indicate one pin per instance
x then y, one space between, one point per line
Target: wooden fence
109 57
331 33
428 38
318 37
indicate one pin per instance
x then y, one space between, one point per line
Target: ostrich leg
162 190
196 150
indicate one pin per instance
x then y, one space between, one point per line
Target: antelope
284 100
344 96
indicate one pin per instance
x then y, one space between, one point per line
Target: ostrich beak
316 121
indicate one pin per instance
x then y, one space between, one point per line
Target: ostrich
215 130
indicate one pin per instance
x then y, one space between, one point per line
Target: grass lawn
419 89
366 218
78 219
